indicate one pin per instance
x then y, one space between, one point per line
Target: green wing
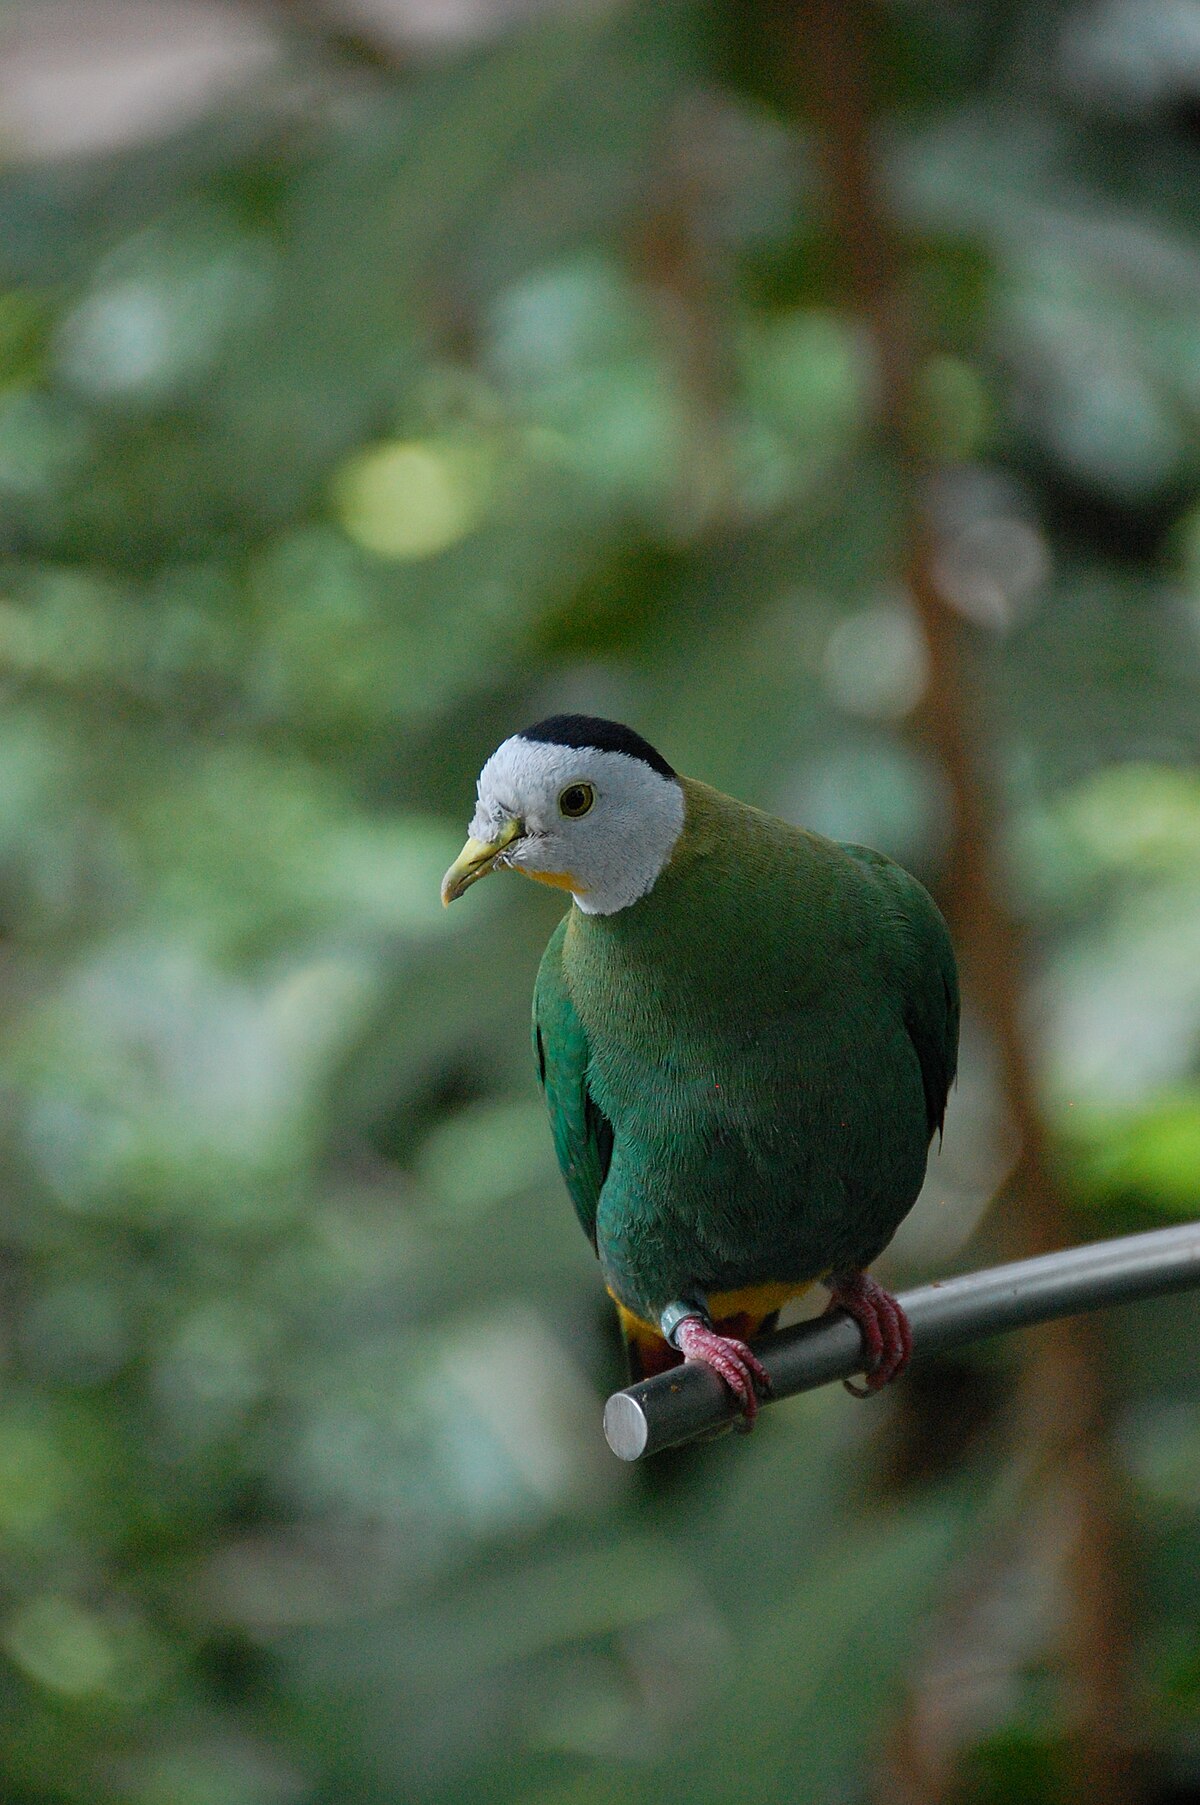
583 1136
932 1021
924 963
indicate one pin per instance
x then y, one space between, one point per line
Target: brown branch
688 282
1060 1400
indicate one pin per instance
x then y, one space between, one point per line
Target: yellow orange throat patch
560 880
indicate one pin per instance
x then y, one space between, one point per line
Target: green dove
745 1035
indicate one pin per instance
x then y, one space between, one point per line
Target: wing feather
928 979
583 1135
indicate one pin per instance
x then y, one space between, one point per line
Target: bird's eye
576 800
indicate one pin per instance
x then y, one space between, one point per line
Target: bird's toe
730 1359
885 1330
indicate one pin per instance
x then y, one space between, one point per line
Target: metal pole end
625 1427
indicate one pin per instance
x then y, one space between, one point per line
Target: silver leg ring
681 1311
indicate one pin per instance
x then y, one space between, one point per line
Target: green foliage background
342 431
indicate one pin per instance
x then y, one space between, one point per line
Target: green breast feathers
744 1033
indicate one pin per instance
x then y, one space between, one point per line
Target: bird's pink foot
887 1337
729 1358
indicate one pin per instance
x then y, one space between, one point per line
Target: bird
744 1032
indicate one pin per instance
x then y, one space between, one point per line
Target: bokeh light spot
61 1646
412 499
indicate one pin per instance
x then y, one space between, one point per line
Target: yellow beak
476 859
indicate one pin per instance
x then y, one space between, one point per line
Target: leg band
682 1310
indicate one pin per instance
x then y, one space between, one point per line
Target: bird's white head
578 802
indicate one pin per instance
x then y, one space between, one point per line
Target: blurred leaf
401 398
1150 1156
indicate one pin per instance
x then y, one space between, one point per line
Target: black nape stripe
589 732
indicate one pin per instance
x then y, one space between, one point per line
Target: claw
887 1337
729 1358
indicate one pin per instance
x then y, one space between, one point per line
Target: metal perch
690 1400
